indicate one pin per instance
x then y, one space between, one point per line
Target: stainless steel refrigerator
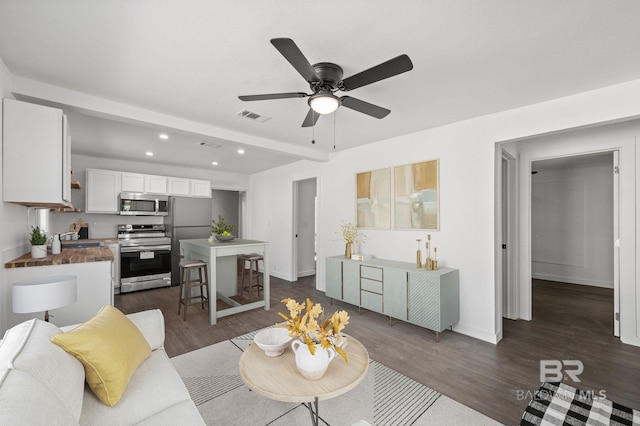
188 218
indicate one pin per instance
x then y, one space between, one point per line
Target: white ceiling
191 59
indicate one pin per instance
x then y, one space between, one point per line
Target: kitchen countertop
67 255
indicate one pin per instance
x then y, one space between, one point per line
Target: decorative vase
312 367
348 250
38 252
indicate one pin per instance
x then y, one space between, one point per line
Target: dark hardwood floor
570 322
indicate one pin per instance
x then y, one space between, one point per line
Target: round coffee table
278 378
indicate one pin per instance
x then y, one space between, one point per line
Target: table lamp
42 294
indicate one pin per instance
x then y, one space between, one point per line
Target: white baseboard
573 280
280 275
477 334
306 273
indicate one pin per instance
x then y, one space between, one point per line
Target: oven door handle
144 248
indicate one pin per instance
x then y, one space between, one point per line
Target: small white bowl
273 340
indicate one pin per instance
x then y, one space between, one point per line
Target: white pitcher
312 367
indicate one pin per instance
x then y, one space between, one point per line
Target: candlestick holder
418 255
434 263
428 263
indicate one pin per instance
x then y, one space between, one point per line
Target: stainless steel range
145 257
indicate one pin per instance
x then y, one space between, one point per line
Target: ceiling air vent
209 144
253 116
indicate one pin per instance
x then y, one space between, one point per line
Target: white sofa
42 384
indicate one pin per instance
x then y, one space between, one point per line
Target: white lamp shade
45 293
324 103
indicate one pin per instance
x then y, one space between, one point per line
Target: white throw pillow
27 347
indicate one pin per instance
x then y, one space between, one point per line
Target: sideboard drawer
371 301
370 285
371 273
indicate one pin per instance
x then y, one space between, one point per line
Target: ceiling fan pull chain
313 128
334 129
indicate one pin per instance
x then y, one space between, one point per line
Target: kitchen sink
81 244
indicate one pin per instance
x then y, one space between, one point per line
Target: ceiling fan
325 78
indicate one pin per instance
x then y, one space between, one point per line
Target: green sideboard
399 290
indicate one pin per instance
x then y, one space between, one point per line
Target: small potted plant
38 242
222 230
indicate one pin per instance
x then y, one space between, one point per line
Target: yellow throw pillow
110 347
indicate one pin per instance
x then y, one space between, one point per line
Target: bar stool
253 260
186 284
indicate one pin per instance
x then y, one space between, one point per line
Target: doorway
304 227
573 224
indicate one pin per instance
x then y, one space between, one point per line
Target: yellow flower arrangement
351 233
326 333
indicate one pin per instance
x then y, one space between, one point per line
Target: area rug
384 397
561 404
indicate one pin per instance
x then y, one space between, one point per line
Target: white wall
13 218
270 212
467 153
572 224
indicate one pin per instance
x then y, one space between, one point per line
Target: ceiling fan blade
272 96
364 107
311 119
392 67
290 51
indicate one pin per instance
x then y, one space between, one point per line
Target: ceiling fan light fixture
324 102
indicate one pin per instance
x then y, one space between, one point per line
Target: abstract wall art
416 196
373 191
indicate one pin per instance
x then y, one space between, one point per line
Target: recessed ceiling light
240 151
149 153
163 136
215 163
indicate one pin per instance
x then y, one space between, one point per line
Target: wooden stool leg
201 290
187 294
258 277
250 279
206 277
180 290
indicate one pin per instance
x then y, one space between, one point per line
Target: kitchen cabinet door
179 186
103 188
200 188
35 162
132 182
155 184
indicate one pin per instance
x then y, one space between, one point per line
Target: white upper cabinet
155 184
36 161
179 186
103 188
200 188
132 182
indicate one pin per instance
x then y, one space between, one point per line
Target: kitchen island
223 273
91 265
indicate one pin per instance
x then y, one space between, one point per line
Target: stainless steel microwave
134 204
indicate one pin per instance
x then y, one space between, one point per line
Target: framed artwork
373 194
416 196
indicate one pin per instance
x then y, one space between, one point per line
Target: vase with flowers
320 339
351 235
